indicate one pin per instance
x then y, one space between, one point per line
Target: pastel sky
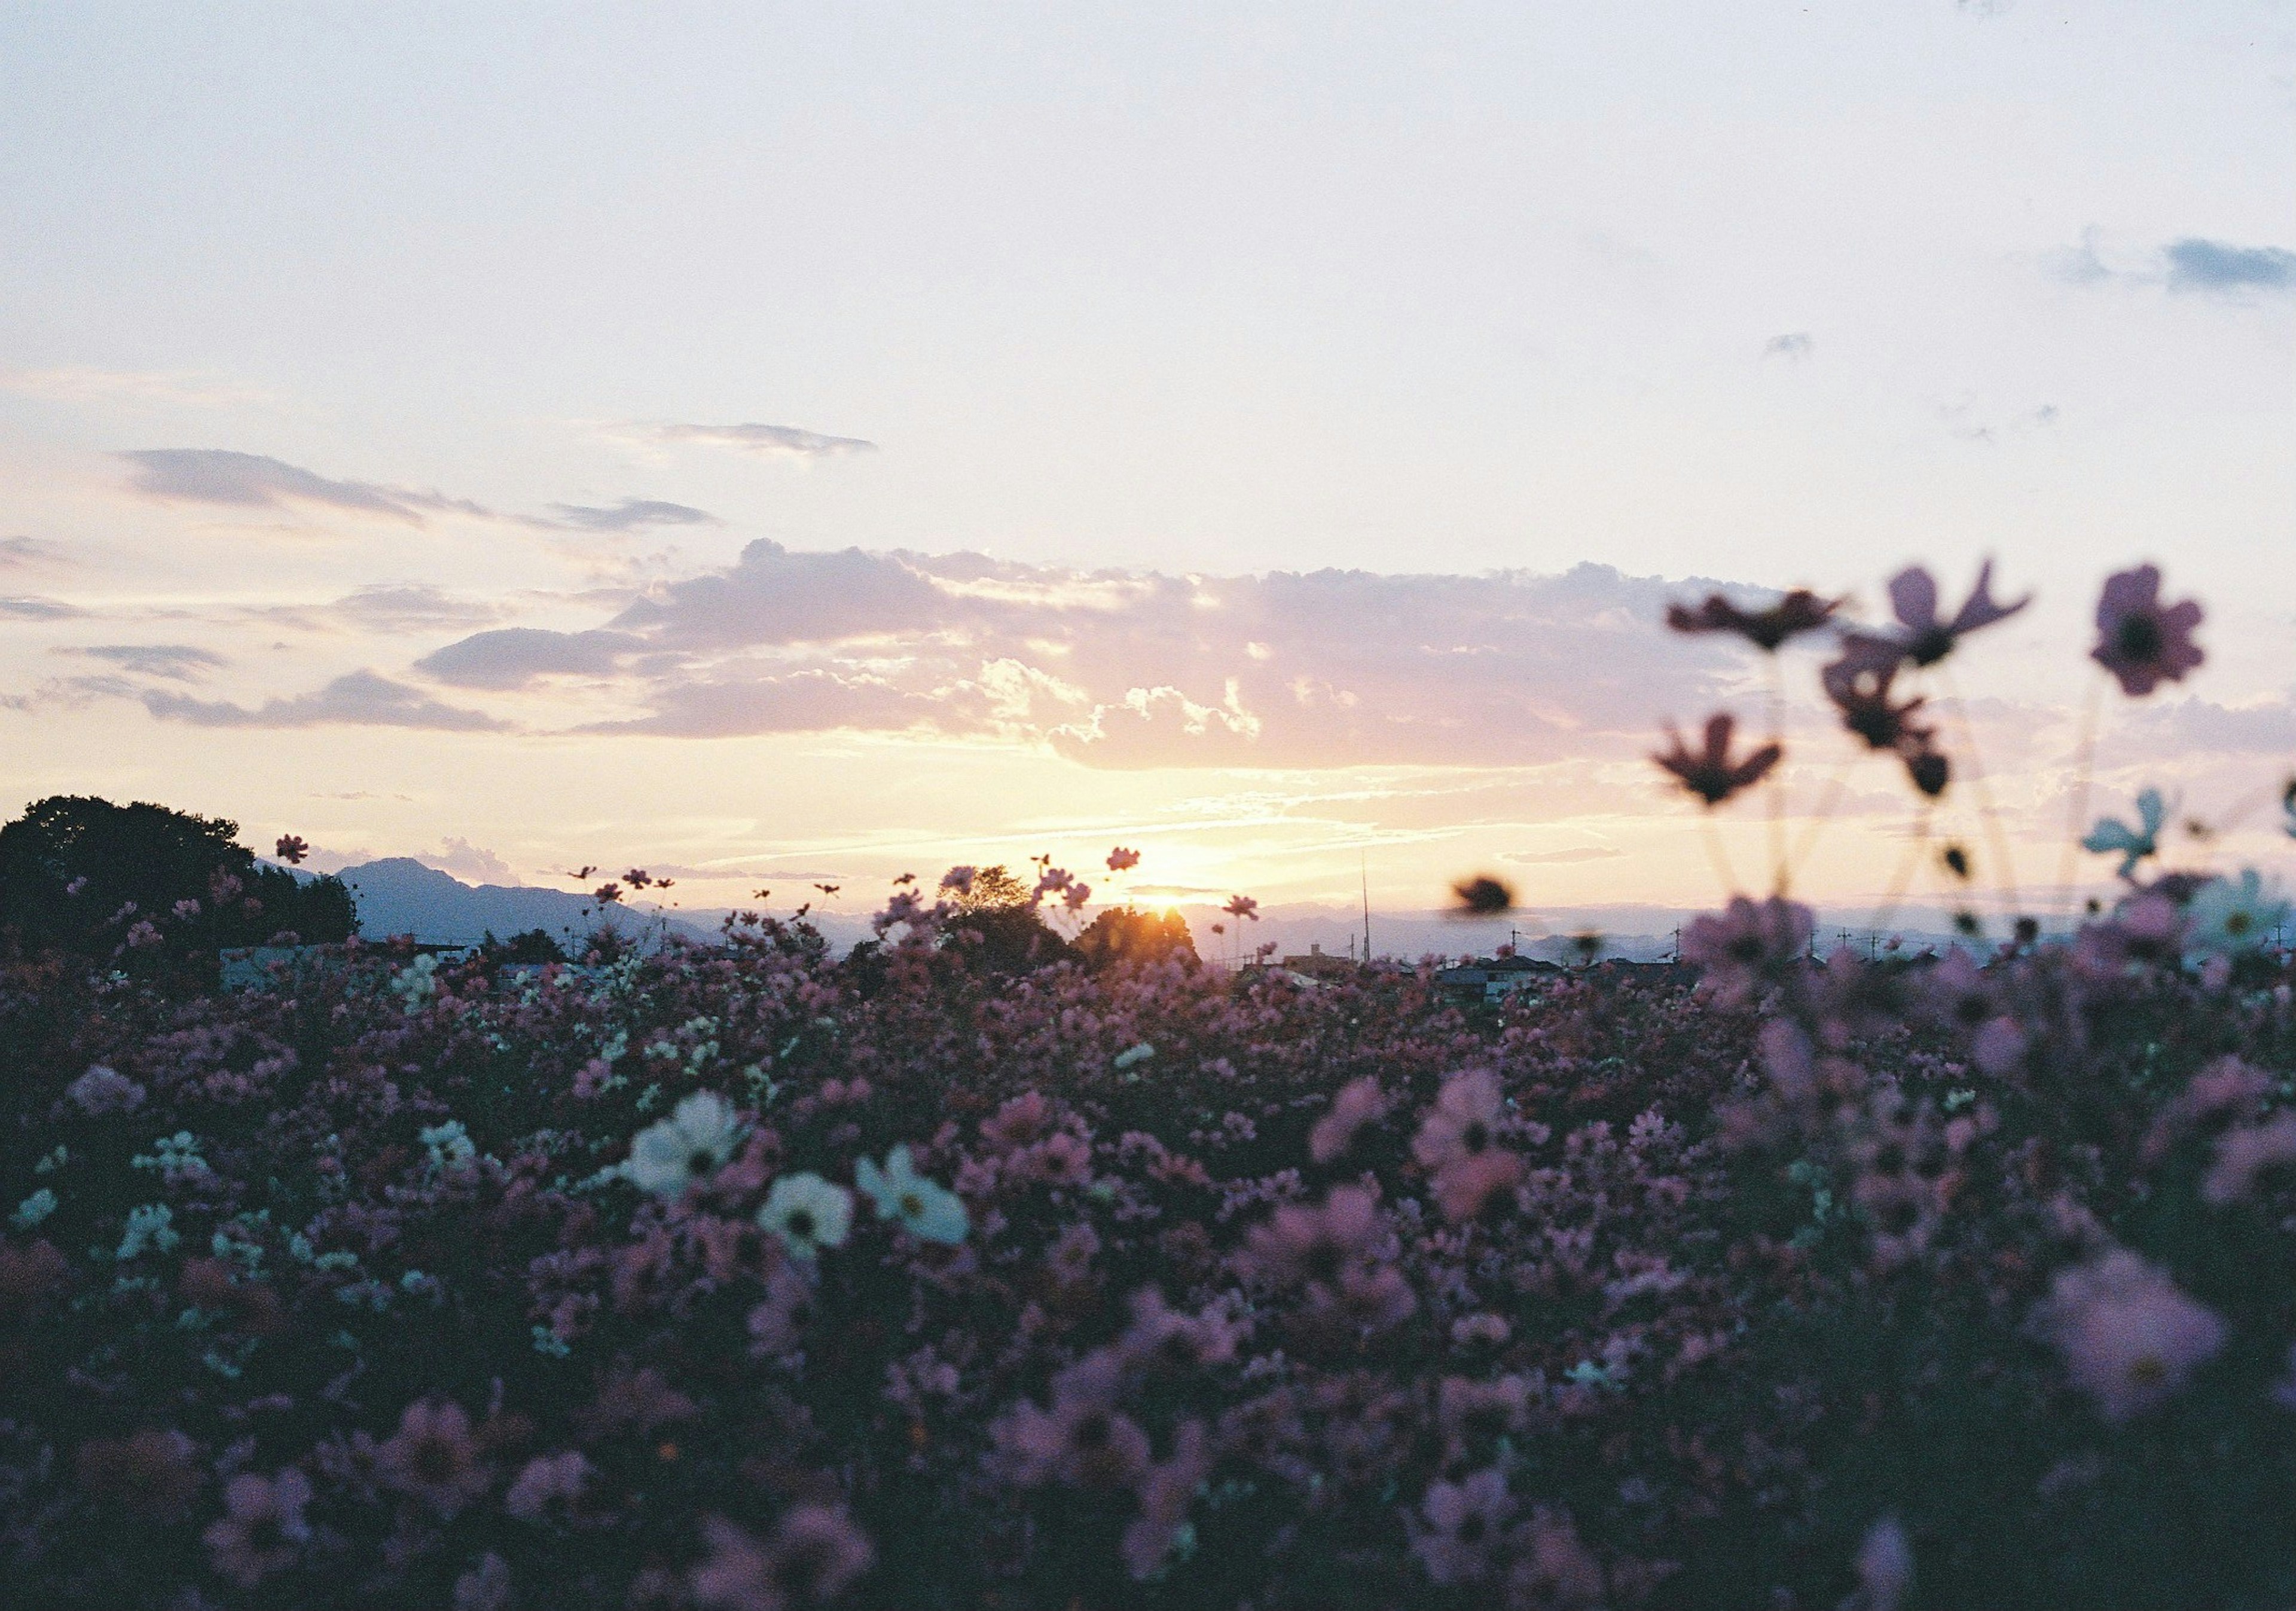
784 443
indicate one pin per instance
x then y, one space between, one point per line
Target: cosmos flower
2229 915
262 1531
2129 1338
1120 860
1860 685
1164 1494
1359 1102
1710 773
2140 640
1747 943
1923 636
813 1556
292 848
807 1213
686 1149
547 1479
929 1211
2112 836
1791 615
1459 1525
433 1457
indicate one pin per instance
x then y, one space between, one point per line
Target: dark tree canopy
78 874
999 929
1126 934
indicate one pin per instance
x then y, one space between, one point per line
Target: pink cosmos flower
292 848
2246 1152
1081 1440
1710 774
433 1457
2129 1338
1925 638
815 1554
2140 640
262 1531
1788 618
1120 860
1458 1525
1553 1571
1747 943
548 1479
1359 1102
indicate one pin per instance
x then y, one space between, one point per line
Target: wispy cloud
2194 265
1793 346
80 383
20 550
780 441
513 657
360 700
1132 669
631 514
39 609
178 662
2215 266
242 480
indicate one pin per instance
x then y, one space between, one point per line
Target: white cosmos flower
2234 914
926 1211
685 1148
807 1213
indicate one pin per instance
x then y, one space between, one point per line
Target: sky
789 445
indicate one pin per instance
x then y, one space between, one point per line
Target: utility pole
1363 868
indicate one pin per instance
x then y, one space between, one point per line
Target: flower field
749 1277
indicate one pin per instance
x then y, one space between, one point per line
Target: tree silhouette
1126 934
80 874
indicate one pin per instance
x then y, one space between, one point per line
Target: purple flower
815 1554
432 1457
1747 943
1710 773
1458 1525
262 1531
2129 1338
1081 1440
1359 1102
1923 636
2140 640
1791 615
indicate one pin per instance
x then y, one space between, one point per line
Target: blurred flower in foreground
814 1553
1242 906
2232 914
2111 836
807 1213
1793 614
2129 1338
685 1148
1922 636
2139 640
292 848
1481 896
1120 860
1710 774
929 1211
1747 943
262 1529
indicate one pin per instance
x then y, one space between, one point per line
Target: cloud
469 863
360 700
2213 266
27 551
81 384
1793 346
179 662
2204 725
780 441
39 609
408 607
239 480
1138 669
1539 858
514 656
2194 265
632 514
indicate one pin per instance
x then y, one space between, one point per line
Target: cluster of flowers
749 1278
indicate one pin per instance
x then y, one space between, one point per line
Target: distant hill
399 896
